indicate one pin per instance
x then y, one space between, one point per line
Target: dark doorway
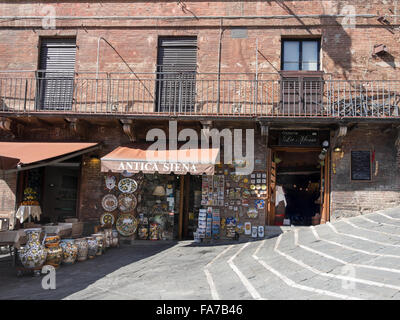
60 192
298 182
192 204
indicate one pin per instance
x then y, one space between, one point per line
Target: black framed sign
361 167
299 138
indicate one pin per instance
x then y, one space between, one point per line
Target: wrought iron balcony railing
197 94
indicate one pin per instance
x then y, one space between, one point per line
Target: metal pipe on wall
311 16
219 66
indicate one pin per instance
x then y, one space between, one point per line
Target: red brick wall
346 52
8 187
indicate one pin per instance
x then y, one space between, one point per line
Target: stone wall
349 198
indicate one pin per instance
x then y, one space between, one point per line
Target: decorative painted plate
126 202
252 213
109 202
260 204
107 218
111 182
127 185
126 225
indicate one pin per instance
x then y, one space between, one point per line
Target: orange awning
138 158
35 152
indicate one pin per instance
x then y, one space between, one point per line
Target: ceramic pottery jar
83 248
51 239
53 249
154 231
70 251
92 247
100 243
54 255
33 254
114 238
104 235
108 234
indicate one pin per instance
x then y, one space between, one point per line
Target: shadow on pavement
74 278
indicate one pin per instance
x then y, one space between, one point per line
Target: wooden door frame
325 214
181 192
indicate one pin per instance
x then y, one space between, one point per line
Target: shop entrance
299 186
191 203
54 188
60 192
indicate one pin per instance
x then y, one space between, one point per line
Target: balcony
196 95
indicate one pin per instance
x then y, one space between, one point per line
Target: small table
13 239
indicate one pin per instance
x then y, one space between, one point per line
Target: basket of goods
30 198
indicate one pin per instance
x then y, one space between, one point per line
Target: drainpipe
256 82
97 69
219 67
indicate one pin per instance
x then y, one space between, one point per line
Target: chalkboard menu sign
360 165
299 138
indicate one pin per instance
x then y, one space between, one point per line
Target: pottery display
104 235
50 239
126 224
53 249
100 243
126 202
107 219
54 256
70 251
111 182
154 231
33 254
127 185
143 232
92 247
108 234
83 249
109 202
115 239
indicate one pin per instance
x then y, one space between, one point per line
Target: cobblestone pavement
356 258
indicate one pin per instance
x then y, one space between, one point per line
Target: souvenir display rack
230 201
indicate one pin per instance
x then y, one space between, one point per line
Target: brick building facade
353 93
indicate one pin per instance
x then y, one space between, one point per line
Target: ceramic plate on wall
127 202
126 225
107 218
127 185
109 202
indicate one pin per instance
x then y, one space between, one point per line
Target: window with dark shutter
56 73
176 74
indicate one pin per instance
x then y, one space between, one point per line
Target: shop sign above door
299 138
164 167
